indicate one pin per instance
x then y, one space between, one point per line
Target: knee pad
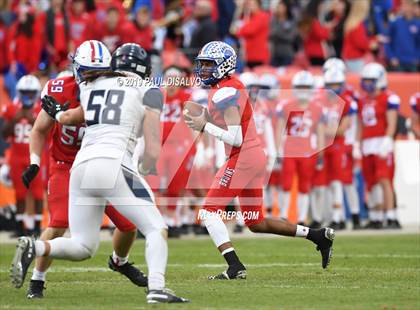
337 192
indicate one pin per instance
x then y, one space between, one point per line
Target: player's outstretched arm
60 113
42 126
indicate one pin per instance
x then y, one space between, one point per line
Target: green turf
377 272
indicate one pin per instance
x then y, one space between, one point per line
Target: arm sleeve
232 136
153 99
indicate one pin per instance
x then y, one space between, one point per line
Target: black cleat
238 229
132 273
24 255
356 222
392 224
334 225
36 288
232 273
163 296
315 225
325 246
342 225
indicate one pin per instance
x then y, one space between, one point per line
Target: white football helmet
334 79
303 83
90 55
270 83
28 89
334 63
248 79
376 73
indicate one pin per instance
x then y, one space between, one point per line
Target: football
194 109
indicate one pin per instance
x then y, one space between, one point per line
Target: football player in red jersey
64 145
178 149
242 174
378 111
339 110
19 118
415 115
352 148
301 119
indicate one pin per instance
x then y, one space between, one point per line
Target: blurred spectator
101 7
114 31
206 29
339 12
57 30
380 10
356 41
314 34
141 31
283 35
24 47
255 33
4 63
169 28
226 11
80 24
403 48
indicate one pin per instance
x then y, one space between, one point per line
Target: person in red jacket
140 29
4 62
80 24
314 34
255 32
114 31
24 42
356 41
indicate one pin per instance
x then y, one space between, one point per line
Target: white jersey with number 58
114 113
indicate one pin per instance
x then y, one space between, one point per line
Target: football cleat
164 296
132 273
227 275
24 255
325 246
36 288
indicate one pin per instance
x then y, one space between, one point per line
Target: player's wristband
35 159
57 116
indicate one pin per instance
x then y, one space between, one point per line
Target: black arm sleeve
153 98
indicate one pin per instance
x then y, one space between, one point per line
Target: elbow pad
232 136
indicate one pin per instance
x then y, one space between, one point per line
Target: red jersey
301 127
19 141
415 103
65 140
227 93
171 117
335 110
80 28
372 112
112 38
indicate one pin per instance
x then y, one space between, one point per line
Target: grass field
376 272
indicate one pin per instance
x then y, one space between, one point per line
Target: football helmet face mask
373 78
270 86
334 80
28 90
133 58
303 84
90 55
215 61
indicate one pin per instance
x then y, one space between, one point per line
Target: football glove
52 106
29 174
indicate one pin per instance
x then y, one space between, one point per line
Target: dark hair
288 5
92 75
112 8
309 15
27 28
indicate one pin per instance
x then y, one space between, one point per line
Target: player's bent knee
256 228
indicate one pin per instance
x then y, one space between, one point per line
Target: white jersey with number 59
114 114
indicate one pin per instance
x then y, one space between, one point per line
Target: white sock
39 248
38 275
316 207
336 215
390 215
374 215
285 205
352 198
216 228
19 217
303 206
118 260
268 198
301 231
156 258
29 221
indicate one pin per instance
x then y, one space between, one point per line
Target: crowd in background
39 35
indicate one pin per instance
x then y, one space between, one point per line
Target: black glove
52 106
29 174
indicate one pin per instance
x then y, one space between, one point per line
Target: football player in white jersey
117 107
